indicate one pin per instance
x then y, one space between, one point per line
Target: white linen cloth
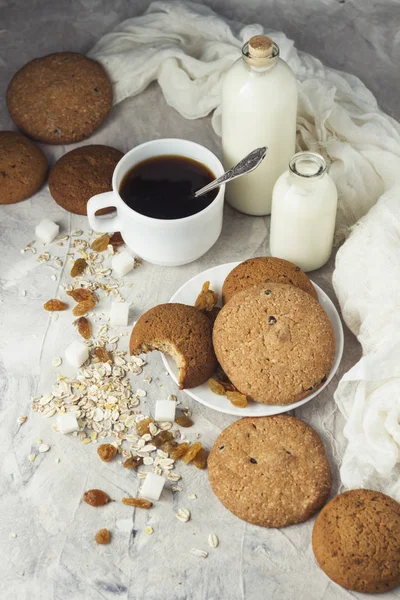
187 48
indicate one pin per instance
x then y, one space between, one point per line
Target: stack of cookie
272 338
61 98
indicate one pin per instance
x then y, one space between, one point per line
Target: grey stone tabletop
46 532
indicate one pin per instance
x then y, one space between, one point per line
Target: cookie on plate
262 270
356 541
81 174
60 98
184 333
270 471
275 343
23 167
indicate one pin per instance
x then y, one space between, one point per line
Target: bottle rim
260 62
312 158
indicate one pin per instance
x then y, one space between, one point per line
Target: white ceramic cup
166 242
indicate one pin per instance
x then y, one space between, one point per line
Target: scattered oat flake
44 448
12 535
141 393
76 232
192 496
213 540
56 362
183 515
176 488
21 420
149 530
199 553
31 457
57 460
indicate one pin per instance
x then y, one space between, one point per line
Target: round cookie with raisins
275 343
270 471
60 98
263 270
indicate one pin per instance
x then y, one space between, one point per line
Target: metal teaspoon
246 165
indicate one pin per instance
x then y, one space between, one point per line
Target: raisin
84 328
106 452
253 461
143 426
267 292
184 421
101 243
180 450
116 239
52 305
237 399
216 386
83 307
102 354
271 320
212 314
96 498
103 536
200 460
78 267
169 447
191 452
133 462
207 299
160 438
137 502
80 294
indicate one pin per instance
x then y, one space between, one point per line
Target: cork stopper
260 46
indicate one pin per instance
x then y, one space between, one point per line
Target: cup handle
103 223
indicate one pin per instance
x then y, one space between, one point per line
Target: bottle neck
260 64
307 167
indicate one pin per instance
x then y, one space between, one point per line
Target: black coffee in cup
162 187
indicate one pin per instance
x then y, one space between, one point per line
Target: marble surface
54 555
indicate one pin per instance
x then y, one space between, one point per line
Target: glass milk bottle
304 204
259 106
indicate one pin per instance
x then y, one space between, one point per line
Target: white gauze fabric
187 47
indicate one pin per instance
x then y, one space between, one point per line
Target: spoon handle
246 165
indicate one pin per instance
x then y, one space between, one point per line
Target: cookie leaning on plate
262 270
356 541
270 471
23 167
275 343
184 333
81 174
59 98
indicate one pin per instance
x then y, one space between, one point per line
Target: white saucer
188 293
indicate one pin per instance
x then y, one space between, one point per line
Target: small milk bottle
259 106
304 204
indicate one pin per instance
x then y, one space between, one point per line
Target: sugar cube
46 231
152 486
122 263
67 423
165 411
76 354
119 313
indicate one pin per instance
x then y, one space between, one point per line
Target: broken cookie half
182 332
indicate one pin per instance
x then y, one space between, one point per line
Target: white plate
188 293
